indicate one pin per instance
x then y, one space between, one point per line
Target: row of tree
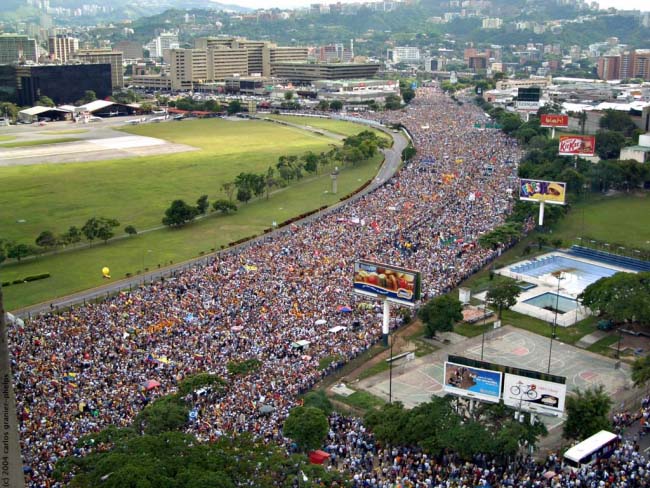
95 228
288 169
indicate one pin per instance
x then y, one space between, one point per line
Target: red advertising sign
577 145
554 120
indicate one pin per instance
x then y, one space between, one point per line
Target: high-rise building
17 49
609 67
114 58
226 61
61 47
162 43
273 54
335 52
188 66
130 49
305 73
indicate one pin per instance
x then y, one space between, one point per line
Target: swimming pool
575 275
550 301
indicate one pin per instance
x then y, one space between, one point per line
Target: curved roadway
392 162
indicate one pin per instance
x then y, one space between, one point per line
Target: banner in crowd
577 146
542 191
394 284
554 120
534 395
469 382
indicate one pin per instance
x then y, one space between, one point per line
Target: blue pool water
551 300
582 274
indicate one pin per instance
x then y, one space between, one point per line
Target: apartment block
114 58
61 47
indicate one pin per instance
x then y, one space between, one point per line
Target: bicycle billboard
469 382
533 395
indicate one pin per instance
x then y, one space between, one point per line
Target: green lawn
81 269
7 138
40 142
65 131
616 219
337 126
136 191
362 400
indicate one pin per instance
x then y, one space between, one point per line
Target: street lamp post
390 372
484 320
558 275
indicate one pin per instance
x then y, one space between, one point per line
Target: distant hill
145 6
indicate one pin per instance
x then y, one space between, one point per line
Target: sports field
620 219
137 191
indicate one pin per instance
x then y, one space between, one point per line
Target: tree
307 426
244 195
212 106
89 96
8 109
440 313
164 415
146 107
224 206
408 94
609 144
311 162
587 413
615 120
323 105
105 230
318 399
503 294
179 214
91 229
336 105
19 251
288 95
234 107
46 239
582 120
72 236
392 102
641 371
202 204
45 101
622 297
229 189
130 230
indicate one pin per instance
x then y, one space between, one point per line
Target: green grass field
620 219
165 179
65 131
136 191
7 138
336 126
40 142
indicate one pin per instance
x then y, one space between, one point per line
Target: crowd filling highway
81 370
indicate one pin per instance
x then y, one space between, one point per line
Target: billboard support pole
385 323
541 213
553 133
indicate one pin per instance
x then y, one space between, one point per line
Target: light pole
390 372
558 275
484 320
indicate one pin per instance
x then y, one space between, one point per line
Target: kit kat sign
554 120
577 145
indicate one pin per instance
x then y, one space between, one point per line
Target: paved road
392 161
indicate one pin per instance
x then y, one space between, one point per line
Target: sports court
416 381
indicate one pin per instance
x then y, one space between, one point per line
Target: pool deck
547 283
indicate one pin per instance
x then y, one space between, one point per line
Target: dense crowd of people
353 449
81 370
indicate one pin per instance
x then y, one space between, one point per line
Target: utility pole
11 474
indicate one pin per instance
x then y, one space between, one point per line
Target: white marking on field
127 142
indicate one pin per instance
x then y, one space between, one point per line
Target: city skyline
619 4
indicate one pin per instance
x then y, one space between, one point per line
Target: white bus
598 446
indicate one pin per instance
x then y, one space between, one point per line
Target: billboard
554 120
528 98
577 145
542 191
471 382
395 284
534 395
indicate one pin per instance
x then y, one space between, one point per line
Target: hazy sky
620 4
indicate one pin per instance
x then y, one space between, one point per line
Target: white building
405 54
165 41
492 23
